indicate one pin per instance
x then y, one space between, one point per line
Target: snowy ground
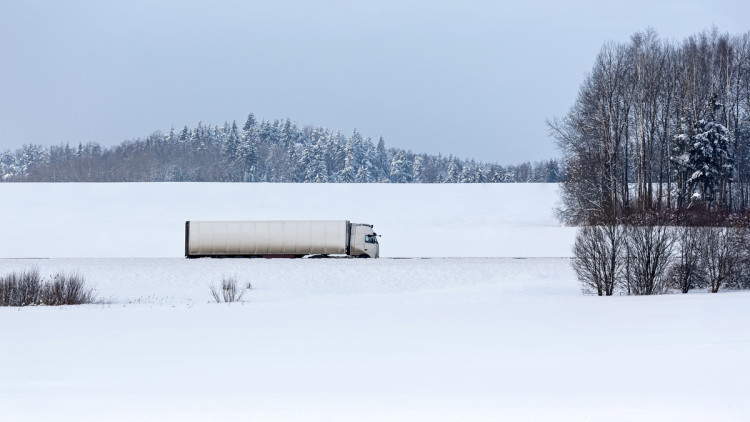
147 220
442 339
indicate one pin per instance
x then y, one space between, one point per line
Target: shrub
598 254
686 273
68 289
28 288
21 288
721 254
229 291
649 253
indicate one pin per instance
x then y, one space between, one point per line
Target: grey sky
468 78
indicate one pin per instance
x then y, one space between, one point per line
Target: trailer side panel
258 238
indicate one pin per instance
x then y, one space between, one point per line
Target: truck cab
364 241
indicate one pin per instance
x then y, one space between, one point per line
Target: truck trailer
279 239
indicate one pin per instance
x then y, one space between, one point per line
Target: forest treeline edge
658 126
265 151
657 155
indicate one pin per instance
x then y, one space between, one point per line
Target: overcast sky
476 79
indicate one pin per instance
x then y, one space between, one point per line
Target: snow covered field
148 220
441 339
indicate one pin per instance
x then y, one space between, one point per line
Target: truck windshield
371 238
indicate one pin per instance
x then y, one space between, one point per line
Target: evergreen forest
278 151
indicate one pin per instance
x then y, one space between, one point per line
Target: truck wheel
364 256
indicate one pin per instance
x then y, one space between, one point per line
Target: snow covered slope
147 219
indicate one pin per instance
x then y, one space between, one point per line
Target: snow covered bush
28 288
21 288
67 289
228 292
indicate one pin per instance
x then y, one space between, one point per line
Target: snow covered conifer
552 172
382 163
250 123
419 169
184 135
353 158
247 149
287 134
198 137
399 168
467 174
8 166
171 137
231 146
313 163
453 172
709 163
479 175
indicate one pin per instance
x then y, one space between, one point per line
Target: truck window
371 238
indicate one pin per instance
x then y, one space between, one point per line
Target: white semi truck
280 239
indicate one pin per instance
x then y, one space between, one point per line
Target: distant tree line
265 151
657 156
659 126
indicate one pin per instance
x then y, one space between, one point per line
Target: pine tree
247 150
479 175
198 137
288 137
367 172
399 168
265 132
321 172
250 123
362 175
353 158
495 175
332 150
467 174
347 174
308 163
171 138
382 163
8 166
709 163
30 157
231 146
184 135
453 172
338 154
552 172
418 170
311 166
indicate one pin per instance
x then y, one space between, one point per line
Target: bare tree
649 253
686 272
721 254
597 262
